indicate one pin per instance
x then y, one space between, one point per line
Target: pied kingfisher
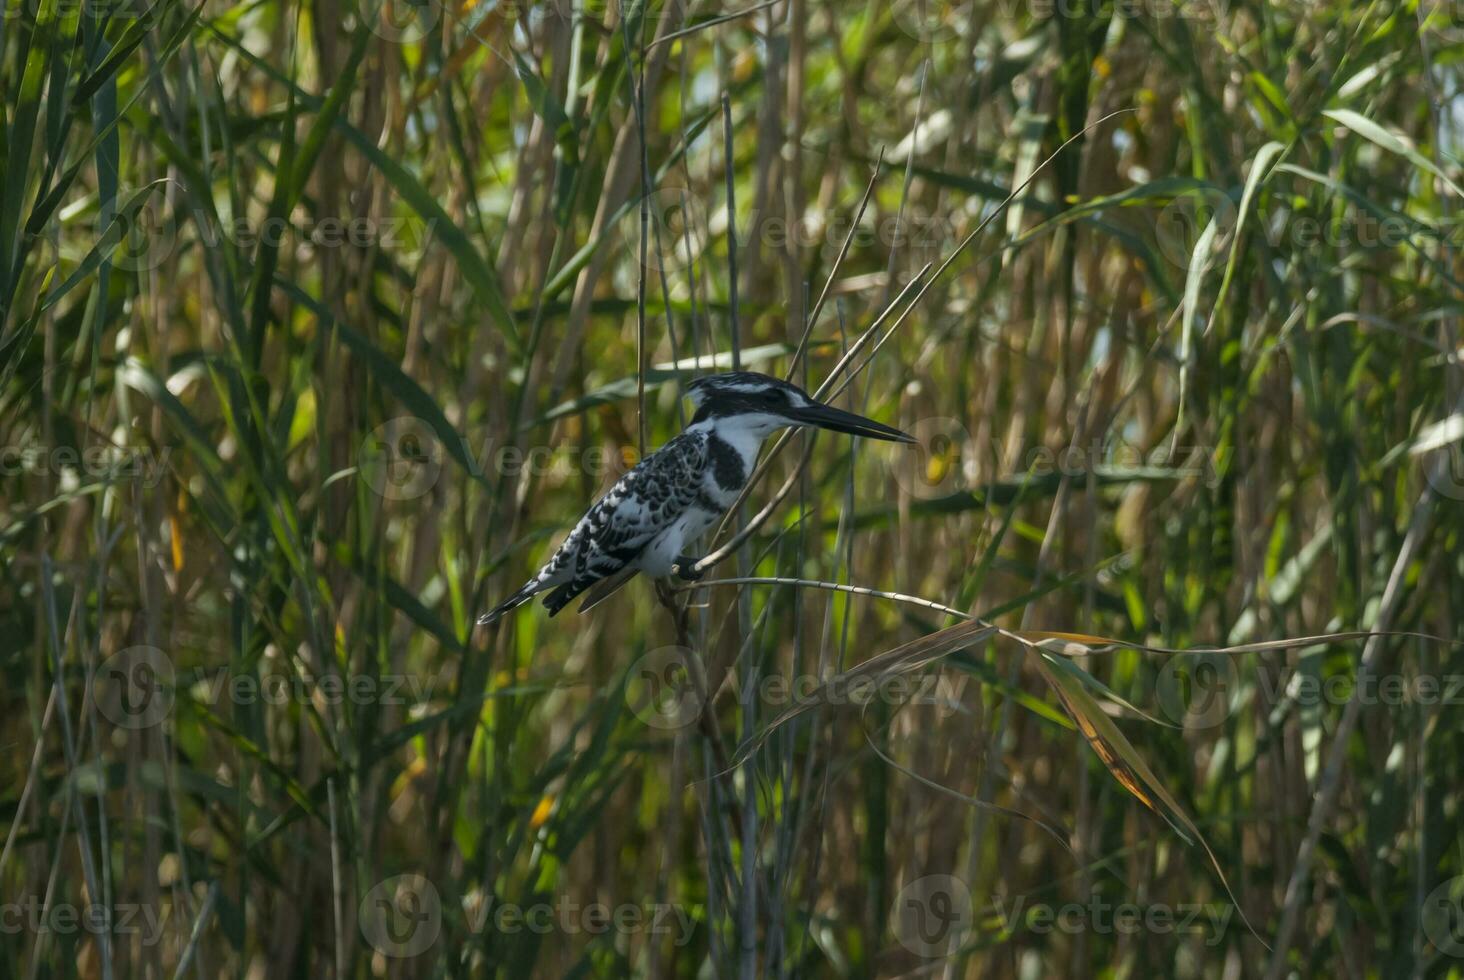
669 499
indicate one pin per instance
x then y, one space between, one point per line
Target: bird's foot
685 568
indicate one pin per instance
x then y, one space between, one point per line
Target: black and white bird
652 514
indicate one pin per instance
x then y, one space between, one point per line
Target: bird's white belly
675 541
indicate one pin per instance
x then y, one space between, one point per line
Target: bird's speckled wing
641 504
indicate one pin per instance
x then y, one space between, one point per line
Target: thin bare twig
694 28
834 272
1330 785
729 157
637 80
809 583
763 466
721 553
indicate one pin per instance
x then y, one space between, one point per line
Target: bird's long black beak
838 420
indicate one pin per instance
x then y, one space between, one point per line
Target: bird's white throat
745 433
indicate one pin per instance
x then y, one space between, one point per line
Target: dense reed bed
320 323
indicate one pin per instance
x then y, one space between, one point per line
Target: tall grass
319 324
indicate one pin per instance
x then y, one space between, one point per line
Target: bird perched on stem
653 513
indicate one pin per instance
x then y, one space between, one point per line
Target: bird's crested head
746 391
762 403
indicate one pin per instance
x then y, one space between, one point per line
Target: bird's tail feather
607 587
560 597
512 602
599 589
